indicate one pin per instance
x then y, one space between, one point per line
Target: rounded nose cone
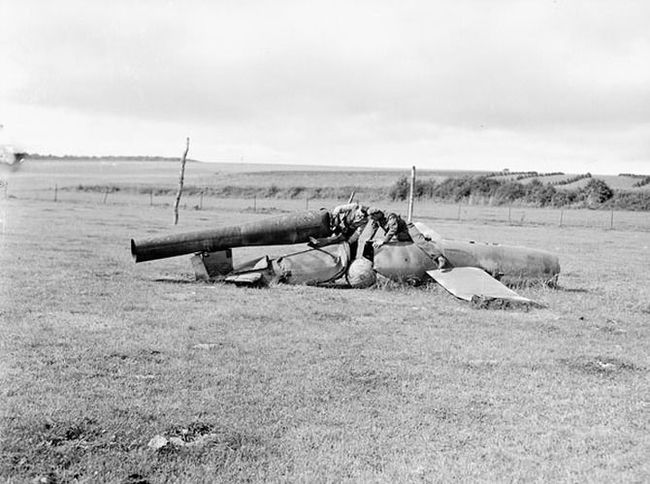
361 274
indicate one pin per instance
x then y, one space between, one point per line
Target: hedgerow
488 190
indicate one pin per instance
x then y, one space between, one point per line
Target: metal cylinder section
286 229
511 264
405 261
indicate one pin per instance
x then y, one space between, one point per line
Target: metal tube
286 229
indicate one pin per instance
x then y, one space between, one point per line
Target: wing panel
469 283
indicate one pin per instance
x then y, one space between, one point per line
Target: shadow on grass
176 280
601 365
580 290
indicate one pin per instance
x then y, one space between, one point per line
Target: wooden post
56 192
411 195
201 202
459 210
611 220
307 202
509 214
561 216
180 180
254 203
351 196
151 198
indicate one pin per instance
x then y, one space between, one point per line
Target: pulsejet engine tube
286 229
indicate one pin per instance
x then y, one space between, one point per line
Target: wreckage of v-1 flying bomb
472 270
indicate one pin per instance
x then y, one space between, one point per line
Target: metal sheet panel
314 266
468 283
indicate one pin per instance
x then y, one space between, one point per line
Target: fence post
509 215
105 196
459 211
201 202
561 216
56 192
411 195
307 202
151 198
254 203
611 220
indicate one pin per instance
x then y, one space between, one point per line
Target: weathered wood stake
180 180
411 195
561 217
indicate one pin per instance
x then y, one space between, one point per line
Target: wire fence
423 210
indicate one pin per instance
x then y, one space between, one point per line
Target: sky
526 85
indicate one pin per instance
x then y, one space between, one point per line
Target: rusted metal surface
286 229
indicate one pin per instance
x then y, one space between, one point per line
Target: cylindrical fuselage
286 229
511 264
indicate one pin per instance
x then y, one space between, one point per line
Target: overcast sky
540 85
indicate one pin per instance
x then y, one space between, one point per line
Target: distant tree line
632 175
572 179
38 156
488 190
522 175
467 189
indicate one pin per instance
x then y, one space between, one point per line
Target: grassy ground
98 355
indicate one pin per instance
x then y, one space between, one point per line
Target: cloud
307 78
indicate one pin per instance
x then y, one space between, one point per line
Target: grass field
99 355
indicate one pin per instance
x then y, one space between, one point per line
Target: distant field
39 175
44 173
99 355
37 181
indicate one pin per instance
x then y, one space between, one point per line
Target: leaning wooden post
180 180
411 195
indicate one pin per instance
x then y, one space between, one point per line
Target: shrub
596 192
399 190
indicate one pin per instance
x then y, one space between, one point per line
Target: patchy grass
98 356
